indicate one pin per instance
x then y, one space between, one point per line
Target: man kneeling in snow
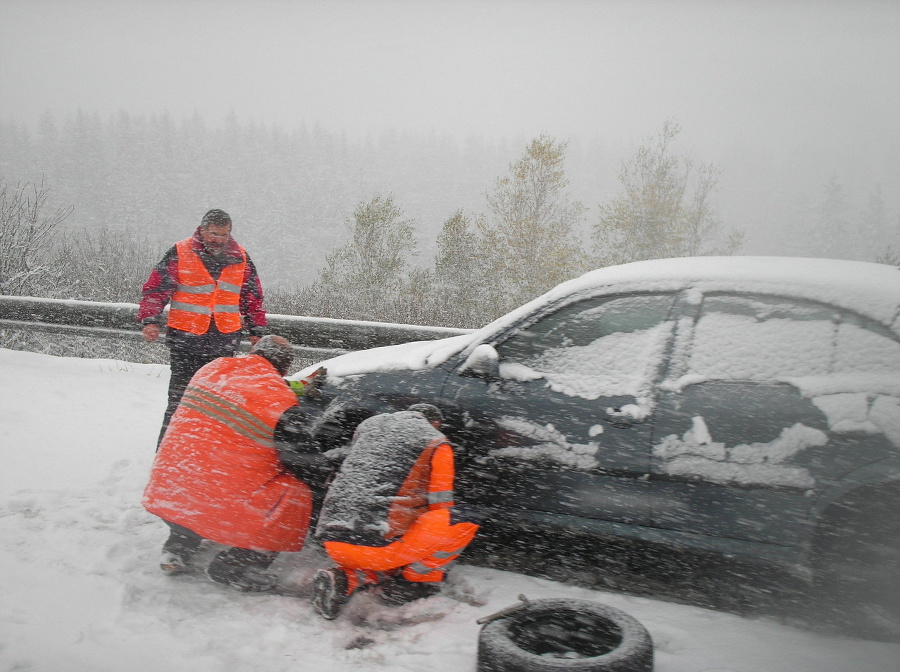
386 518
222 470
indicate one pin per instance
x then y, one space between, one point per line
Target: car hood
405 356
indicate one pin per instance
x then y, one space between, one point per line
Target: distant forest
399 227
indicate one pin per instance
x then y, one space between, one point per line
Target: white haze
781 95
799 71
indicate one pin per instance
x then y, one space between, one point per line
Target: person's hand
253 340
315 381
311 385
151 332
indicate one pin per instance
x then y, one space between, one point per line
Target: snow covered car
742 406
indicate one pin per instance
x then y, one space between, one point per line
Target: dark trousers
227 565
182 541
184 365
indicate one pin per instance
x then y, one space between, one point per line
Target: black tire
559 635
858 568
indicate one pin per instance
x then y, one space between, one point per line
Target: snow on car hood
405 356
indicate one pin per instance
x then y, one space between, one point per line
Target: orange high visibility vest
428 486
198 298
217 471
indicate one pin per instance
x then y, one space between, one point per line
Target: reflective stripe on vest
435 564
443 555
229 414
423 570
440 497
198 289
198 298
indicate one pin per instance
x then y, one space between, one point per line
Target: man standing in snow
386 518
223 471
213 292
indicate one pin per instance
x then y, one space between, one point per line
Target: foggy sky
798 70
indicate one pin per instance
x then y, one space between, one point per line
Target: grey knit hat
431 413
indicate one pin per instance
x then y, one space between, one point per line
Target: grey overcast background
759 78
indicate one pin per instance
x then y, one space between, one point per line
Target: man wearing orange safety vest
227 469
386 519
213 292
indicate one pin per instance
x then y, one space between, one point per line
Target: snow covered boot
399 591
330 588
174 563
243 569
179 550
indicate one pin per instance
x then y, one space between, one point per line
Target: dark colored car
744 407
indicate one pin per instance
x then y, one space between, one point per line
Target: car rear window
866 347
762 338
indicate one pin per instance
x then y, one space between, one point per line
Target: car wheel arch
854 558
855 485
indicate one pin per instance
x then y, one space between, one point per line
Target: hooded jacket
218 472
398 467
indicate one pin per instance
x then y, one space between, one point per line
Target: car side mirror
482 362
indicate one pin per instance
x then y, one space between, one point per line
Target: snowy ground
80 589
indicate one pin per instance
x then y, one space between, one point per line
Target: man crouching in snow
386 520
222 470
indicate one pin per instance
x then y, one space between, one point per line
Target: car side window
597 347
866 347
762 338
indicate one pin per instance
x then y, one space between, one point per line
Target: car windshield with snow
742 406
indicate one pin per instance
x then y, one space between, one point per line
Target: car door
564 426
736 439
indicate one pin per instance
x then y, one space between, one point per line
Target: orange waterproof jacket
399 466
217 471
198 298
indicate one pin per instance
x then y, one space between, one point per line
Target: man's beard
216 250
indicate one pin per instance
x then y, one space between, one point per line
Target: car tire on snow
564 635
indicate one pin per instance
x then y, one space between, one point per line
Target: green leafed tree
364 278
665 209
529 239
458 277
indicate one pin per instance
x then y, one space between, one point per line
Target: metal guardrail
313 337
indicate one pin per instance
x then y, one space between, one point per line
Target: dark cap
277 350
216 217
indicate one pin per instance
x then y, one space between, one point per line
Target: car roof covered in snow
870 289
